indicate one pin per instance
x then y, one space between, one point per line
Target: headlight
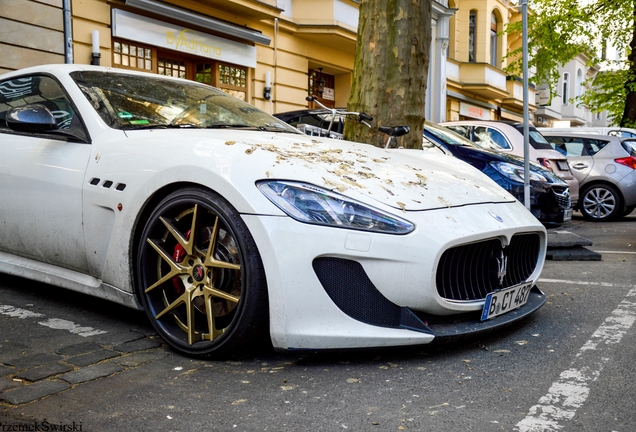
516 172
315 205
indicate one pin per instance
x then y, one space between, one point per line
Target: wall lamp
95 56
267 91
321 83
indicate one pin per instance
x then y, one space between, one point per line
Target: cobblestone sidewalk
31 377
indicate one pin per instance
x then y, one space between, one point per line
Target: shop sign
141 29
543 96
473 111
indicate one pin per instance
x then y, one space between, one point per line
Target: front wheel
601 203
200 276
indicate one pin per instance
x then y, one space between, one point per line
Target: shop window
204 73
233 80
171 67
132 56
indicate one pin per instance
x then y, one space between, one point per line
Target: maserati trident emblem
495 216
502 266
198 273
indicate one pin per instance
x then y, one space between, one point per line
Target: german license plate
500 302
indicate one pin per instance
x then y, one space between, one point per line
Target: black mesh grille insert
350 288
471 271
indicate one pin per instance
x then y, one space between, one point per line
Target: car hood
402 179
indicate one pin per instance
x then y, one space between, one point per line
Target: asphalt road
71 362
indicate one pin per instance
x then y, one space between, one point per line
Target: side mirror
31 118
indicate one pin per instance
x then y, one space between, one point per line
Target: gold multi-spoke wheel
200 277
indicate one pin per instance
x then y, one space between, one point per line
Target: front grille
562 198
469 272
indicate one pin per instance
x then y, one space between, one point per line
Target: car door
41 177
577 154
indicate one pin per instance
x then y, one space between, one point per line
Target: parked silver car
606 169
507 137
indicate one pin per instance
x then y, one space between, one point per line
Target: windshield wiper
159 126
233 126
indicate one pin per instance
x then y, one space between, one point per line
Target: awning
164 10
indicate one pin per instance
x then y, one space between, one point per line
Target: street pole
526 116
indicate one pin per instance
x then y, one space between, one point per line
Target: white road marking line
603 284
571 390
55 323
61 324
17 312
616 252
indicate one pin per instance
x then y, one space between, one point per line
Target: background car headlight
516 172
315 205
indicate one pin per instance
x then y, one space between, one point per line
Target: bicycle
391 131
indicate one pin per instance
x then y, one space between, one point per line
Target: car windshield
129 101
536 139
446 135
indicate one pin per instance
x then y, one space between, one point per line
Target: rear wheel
601 203
200 276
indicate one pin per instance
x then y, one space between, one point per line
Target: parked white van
613 131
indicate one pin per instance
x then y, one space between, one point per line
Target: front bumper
400 269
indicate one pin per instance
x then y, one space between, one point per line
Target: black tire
221 283
601 203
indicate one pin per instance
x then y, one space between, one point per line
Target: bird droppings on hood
230 142
388 190
443 201
361 169
451 218
334 185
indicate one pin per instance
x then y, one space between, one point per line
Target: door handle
579 166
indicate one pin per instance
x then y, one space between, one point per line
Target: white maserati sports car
232 229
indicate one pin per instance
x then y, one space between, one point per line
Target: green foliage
560 30
609 94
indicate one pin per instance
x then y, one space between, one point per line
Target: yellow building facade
271 53
478 88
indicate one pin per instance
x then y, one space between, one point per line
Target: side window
574 147
558 144
491 138
499 139
38 89
594 146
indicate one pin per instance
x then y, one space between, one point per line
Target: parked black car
549 194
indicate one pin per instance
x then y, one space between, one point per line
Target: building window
493 40
566 88
472 36
132 56
579 83
233 80
171 67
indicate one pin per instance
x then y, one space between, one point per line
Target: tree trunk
391 69
629 114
